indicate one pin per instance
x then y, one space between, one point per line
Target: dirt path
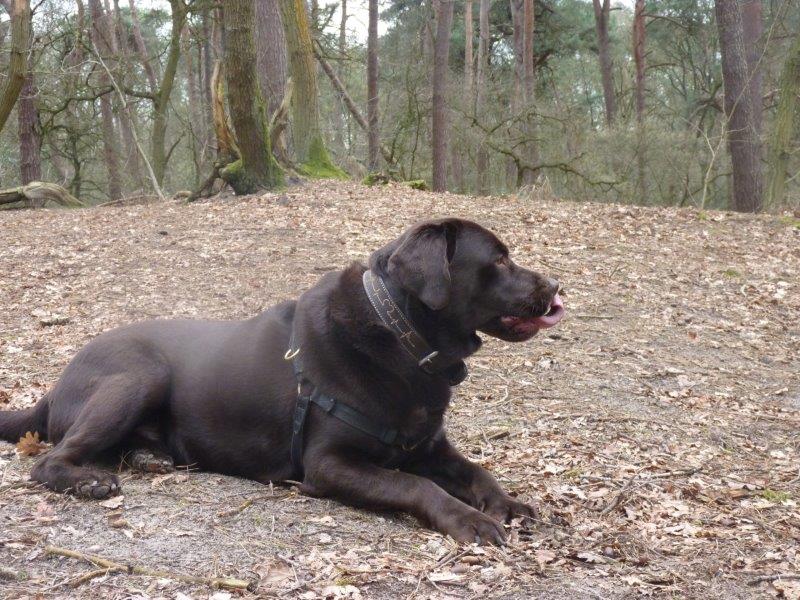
658 425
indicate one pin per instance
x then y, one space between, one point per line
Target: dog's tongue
553 316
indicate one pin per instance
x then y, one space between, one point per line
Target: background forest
630 101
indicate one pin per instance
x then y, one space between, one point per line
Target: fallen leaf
113 502
30 445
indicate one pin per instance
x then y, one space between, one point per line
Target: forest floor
658 425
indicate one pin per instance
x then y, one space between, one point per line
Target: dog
343 390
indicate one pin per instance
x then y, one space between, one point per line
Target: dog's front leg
468 481
360 483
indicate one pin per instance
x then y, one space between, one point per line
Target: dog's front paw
504 508
470 526
97 485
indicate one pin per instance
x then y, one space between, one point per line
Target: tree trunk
18 63
141 49
515 101
785 127
30 141
161 98
743 142
270 53
638 57
374 142
257 167
441 54
482 166
101 25
309 147
126 114
339 115
36 193
753 27
601 15
528 92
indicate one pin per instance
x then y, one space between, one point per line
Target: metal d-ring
291 353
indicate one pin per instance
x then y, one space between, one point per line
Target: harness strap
339 410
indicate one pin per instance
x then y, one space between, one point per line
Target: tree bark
30 141
100 27
785 127
161 97
639 61
309 147
141 49
270 53
339 115
257 167
482 162
515 101
126 114
441 54
743 141
18 63
753 27
601 18
373 136
528 96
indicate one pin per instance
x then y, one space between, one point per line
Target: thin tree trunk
339 115
257 168
785 127
601 17
141 49
100 26
207 73
743 141
18 63
161 98
441 53
270 53
309 147
482 166
515 101
528 95
373 136
638 57
30 141
126 115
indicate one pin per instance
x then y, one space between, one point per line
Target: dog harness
308 394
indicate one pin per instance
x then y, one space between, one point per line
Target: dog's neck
452 343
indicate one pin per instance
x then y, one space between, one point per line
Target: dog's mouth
519 329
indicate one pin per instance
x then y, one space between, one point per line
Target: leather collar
428 359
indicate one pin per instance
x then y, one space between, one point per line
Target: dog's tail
14 424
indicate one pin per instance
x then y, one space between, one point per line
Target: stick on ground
215 582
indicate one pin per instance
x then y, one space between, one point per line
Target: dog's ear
421 263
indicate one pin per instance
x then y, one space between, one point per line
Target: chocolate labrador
344 389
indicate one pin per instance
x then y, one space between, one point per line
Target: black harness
308 393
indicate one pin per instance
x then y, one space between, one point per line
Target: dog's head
464 274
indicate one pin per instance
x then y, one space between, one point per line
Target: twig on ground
764 578
77 582
618 498
215 582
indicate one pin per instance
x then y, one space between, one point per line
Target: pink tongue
553 316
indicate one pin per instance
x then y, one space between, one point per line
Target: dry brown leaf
31 445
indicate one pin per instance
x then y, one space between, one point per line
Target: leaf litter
657 426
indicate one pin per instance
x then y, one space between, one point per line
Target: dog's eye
502 261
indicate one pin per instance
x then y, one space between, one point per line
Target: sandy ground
657 425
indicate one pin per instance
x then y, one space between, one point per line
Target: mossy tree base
235 175
319 164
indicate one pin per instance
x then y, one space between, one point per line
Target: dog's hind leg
118 404
149 461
